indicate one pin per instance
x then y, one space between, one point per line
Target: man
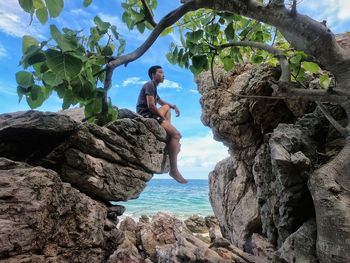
146 106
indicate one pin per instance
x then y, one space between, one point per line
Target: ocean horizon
167 195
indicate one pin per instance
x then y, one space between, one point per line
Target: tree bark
329 187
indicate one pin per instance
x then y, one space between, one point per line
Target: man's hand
177 111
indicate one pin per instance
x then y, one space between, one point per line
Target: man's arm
152 106
172 106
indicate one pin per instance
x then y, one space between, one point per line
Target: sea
167 195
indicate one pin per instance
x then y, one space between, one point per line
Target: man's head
156 73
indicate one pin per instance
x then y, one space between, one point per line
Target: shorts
154 116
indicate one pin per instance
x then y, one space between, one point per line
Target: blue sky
199 152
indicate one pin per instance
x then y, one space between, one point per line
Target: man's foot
178 177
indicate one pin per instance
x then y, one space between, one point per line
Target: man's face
159 75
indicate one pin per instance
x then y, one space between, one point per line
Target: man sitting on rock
146 106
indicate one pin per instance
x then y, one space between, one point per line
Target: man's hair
152 70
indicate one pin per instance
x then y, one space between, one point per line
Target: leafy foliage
71 65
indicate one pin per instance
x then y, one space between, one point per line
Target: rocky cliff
57 178
259 194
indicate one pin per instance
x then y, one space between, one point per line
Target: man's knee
177 136
166 107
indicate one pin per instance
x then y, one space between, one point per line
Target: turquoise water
169 196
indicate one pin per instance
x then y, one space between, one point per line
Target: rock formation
57 177
259 194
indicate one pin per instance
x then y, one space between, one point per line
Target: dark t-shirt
149 88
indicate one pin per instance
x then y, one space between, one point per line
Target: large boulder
255 193
260 194
43 219
110 163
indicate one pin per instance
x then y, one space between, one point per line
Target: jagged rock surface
43 219
57 175
259 194
110 163
167 239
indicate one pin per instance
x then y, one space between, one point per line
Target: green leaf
42 15
36 58
107 51
55 7
121 47
35 97
38 4
20 91
310 66
257 59
101 26
66 42
82 89
64 65
167 31
228 63
24 79
213 29
87 3
52 79
27 5
230 32
325 81
27 42
68 99
195 36
200 62
115 32
94 107
141 27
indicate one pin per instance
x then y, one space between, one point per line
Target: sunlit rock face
57 176
259 194
110 163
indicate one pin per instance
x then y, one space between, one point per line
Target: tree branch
343 131
276 3
301 31
289 90
285 76
148 13
166 21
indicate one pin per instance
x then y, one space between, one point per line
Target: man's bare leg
173 148
165 110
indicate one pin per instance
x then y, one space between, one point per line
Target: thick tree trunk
329 187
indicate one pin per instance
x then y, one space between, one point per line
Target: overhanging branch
148 13
343 131
166 21
285 76
289 90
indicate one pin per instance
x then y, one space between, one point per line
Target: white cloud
8 90
3 52
133 81
15 22
194 91
201 152
335 12
168 84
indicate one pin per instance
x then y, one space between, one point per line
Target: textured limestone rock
44 216
43 219
107 163
196 224
251 192
233 200
300 246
